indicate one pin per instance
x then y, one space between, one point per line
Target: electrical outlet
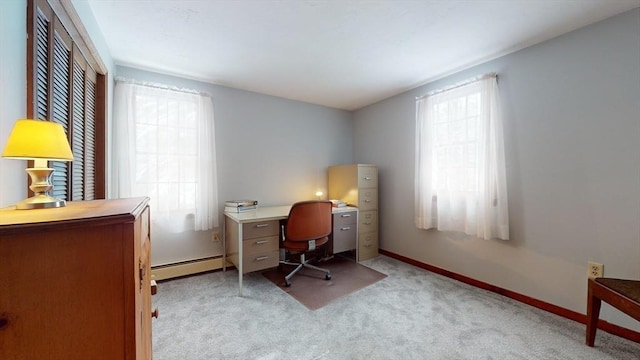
595 270
215 237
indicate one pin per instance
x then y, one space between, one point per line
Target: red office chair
307 228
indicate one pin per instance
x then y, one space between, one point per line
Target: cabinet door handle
367 223
260 258
262 225
260 242
367 177
367 200
155 313
345 215
345 228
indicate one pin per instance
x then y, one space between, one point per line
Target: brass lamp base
40 201
41 187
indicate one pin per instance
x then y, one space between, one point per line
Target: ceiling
344 54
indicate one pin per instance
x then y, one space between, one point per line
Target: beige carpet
311 289
410 314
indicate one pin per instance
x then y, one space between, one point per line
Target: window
164 149
63 87
460 181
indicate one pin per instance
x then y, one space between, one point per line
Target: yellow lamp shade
37 139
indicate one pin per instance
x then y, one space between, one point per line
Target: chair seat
628 288
296 247
622 294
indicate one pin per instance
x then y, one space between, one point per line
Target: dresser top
114 210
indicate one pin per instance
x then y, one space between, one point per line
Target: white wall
572 127
269 149
13 94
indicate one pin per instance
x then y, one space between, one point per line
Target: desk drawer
344 218
368 199
344 237
260 245
260 229
260 261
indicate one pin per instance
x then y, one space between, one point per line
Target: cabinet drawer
367 176
260 229
344 237
145 251
344 218
368 221
144 224
260 245
262 261
367 246
368 199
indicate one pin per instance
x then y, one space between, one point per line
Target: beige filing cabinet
357 185
76 281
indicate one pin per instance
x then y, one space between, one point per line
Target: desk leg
224 243
240 257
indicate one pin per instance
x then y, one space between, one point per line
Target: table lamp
39 141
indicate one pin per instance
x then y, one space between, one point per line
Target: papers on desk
235 203
238 206
338 203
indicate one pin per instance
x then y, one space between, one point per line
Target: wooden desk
252 238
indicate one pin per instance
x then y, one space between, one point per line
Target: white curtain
164 148
460 177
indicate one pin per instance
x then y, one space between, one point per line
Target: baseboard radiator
169 271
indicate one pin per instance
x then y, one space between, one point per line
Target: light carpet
410 314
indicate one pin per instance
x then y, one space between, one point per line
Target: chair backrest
309 220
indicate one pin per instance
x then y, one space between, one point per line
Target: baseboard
554 309
164 272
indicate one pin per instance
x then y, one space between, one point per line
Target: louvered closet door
83 134
90 135
51 85
77 132
65 92
60 106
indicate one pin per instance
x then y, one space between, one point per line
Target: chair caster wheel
327 277
287 283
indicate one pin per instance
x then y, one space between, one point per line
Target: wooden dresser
75 281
